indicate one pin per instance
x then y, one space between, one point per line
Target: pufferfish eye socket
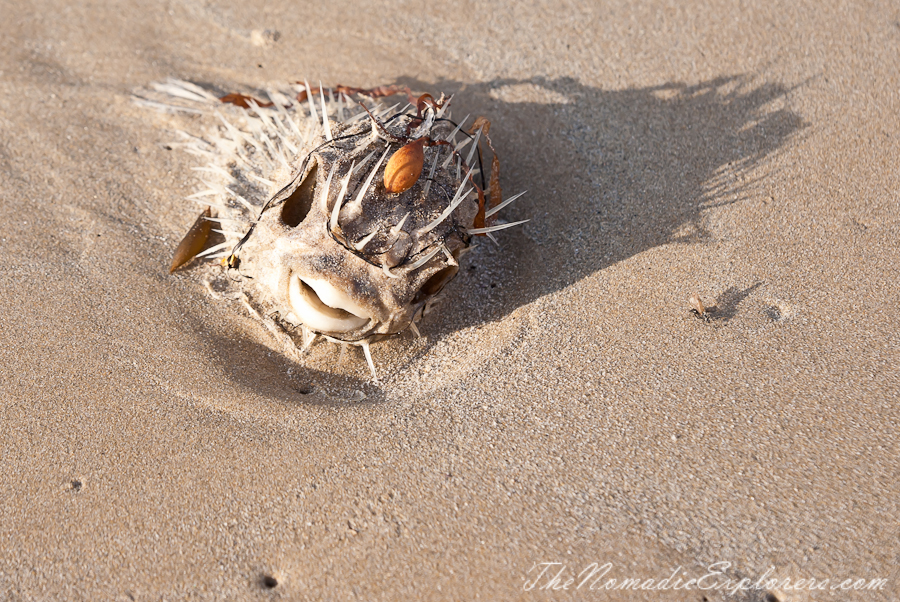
298 205
434 284
323 307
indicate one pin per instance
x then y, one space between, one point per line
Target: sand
564 406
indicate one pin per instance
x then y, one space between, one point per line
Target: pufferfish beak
323 307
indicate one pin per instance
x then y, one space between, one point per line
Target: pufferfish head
368 230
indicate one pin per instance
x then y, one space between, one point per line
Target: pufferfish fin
193 242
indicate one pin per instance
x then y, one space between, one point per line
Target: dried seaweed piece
244 101
482 219
376 92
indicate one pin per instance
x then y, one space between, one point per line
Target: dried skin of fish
341 218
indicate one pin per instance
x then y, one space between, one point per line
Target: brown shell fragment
193 242
405 167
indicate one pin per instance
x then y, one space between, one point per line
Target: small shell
697 304
405 167
700 310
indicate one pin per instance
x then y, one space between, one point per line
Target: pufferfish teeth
324 308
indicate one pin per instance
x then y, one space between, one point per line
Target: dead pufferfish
339 219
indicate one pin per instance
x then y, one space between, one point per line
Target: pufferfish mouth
323 307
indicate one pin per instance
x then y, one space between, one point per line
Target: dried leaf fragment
193 242
377 92
496 195
243 101
479 217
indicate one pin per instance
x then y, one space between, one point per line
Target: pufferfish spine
339 219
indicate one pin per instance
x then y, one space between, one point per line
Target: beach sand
563 406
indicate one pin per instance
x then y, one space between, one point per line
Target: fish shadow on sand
270 374
609 174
